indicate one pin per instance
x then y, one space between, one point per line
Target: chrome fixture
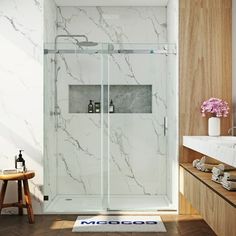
81 44
231 130
85 43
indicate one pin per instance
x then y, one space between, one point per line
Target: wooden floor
61 225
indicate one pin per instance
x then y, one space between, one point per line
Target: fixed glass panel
50 159
78 154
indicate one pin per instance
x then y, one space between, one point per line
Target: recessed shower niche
126 160
126 98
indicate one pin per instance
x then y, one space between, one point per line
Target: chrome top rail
122 51
167 49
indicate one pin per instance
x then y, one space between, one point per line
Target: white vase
214 126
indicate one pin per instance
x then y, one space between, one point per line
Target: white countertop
222 148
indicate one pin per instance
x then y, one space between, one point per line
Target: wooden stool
28 205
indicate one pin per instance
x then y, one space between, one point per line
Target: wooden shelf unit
205 178
215 204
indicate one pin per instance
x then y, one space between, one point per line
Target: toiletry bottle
111 107
20 162
97 107
90 106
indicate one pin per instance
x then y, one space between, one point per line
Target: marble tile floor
61 225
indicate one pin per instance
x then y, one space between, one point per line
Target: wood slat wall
205 51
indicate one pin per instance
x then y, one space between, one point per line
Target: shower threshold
84 204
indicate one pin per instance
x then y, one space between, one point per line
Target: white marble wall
50 21
21 96
134 161
172 103
115 24
137 145
21 91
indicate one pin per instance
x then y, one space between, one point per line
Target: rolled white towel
195 162
205 160
229 185
205 167
217 178
225 167
199 165
217 171
226 181
221 167
216 175
230 176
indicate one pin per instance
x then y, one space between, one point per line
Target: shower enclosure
107 161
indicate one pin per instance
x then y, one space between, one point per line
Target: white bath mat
105 223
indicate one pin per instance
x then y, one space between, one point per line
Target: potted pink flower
217 107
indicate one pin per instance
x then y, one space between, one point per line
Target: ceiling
111 2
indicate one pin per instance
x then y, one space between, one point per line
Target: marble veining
69 173
69 71
25 33
72 144
62 125
21 72
93 23
137 165
129 148
118 139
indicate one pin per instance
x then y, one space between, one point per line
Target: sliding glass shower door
136 128
108 112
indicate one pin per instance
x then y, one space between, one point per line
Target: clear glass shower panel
78 153
110 155
137 142
50 167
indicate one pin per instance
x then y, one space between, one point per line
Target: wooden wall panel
205 52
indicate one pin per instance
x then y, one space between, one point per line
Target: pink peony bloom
216 106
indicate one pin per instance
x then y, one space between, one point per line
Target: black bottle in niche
97 107
90 106
20 162
111 107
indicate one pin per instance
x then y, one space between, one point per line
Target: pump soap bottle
20 162
90 106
